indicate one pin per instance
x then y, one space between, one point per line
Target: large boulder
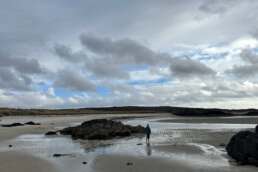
243 147
101 129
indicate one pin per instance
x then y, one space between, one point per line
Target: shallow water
197 135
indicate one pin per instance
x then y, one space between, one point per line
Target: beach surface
22 162
177 144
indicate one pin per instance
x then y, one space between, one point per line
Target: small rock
10 146
31 123
129 163
56 155
51 133
13 125
222 145
139 144
84 162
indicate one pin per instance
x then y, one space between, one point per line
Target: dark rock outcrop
101 129
243 147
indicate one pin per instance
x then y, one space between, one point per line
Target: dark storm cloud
73 80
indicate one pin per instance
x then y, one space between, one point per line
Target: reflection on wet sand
148 149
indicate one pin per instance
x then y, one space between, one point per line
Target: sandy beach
17 161
177 144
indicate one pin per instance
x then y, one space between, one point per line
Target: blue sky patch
103 91
149 82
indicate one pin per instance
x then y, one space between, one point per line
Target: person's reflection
148 149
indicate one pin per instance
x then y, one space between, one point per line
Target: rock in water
56 155
51 133
101 129
243 147
13 125
31 123
17 124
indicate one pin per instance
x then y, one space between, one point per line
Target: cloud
190 68
29 99
104 69
11 80
66 53
73 80
23 65
218 6
247 69
249 56
124 51
244 71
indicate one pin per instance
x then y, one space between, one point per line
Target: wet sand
125 163
119 163
212 120
176 145
21 162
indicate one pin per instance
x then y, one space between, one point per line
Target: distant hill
180 111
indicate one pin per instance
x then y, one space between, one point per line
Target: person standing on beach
148 132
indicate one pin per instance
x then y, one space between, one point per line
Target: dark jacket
147 130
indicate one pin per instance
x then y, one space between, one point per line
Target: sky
92 53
